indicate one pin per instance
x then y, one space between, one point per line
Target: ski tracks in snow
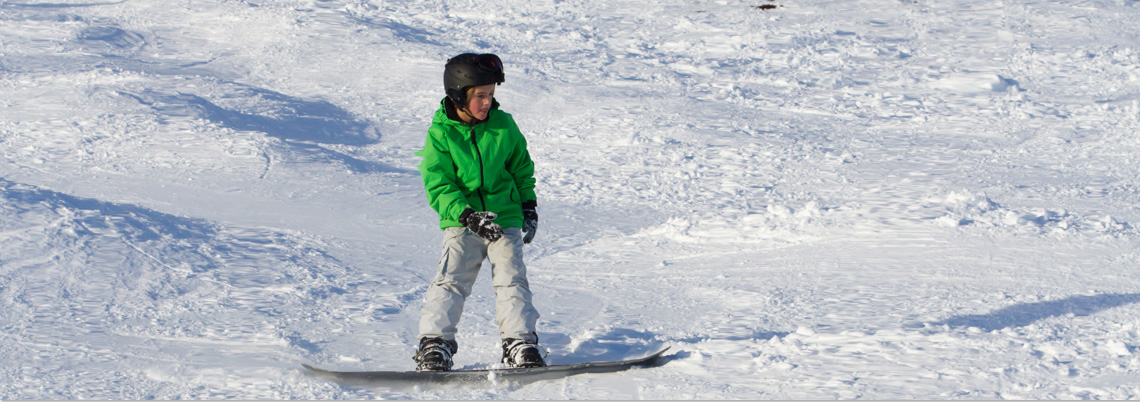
182 292
883 199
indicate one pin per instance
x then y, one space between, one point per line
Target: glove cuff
531 205
466 214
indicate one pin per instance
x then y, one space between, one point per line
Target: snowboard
494 375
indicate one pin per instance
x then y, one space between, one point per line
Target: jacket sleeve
520 166
440 179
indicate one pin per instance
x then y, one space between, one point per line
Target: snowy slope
825 199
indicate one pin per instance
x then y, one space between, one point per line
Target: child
480 179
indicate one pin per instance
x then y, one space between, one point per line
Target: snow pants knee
463 255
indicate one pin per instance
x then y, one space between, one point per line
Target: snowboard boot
435 354
522 353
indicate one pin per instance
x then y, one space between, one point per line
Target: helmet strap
460 112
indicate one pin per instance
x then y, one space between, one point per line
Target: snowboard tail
521 375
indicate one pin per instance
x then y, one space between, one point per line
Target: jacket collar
451 113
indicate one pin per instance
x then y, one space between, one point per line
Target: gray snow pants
463 255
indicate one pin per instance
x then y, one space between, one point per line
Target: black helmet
470 70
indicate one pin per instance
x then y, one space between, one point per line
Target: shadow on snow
1024 314
60 5
307 127
132 244
276 114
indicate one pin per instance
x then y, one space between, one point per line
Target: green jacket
485 166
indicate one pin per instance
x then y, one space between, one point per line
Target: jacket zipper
482 176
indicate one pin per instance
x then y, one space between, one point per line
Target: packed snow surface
817 199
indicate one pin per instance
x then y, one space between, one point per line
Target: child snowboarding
479 178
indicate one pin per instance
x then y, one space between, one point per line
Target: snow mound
976 82
960 209
776 224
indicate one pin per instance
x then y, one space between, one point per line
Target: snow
819 200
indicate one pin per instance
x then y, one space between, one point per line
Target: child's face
479 100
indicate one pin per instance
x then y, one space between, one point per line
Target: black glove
481 223
530 220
